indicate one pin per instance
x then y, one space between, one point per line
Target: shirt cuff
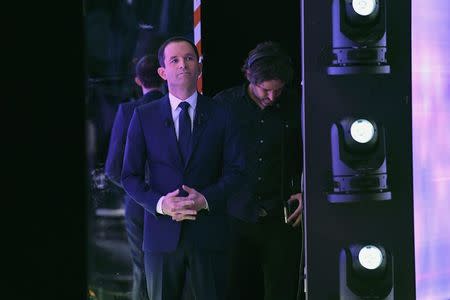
207 206
159 206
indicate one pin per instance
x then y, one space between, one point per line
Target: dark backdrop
231 29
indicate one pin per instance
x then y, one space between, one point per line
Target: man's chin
266 103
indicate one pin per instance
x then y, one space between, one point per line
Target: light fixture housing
359 37
366 272
358 158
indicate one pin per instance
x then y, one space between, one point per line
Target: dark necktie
184 133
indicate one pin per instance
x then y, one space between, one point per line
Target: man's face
265 93
181 65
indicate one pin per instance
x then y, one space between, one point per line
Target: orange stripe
199 47
197 19
200 85
197 16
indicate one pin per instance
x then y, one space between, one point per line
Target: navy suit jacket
214 168
114 160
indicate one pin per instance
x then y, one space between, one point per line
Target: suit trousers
186 273
264 260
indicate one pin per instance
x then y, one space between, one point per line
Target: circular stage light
370 257
364 7
362 131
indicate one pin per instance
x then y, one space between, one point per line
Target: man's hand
199 201
296 215
179 208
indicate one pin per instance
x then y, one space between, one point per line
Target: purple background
431 146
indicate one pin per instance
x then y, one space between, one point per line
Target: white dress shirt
174 102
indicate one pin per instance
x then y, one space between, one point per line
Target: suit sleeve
133 172
233 167
114 159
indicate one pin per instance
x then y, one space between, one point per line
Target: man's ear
247 75
138 81
162 73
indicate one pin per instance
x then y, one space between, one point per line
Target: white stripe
197 3
198 33
106 212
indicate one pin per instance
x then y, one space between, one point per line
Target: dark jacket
114 160
214 168
273 149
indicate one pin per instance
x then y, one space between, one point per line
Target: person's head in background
146 74
268 69
179 66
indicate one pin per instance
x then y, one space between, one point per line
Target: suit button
260 159
259 178
261 141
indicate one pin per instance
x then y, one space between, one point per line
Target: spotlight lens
364 7
362 131
370 257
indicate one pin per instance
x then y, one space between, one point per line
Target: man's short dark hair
174 39
147 71
268 62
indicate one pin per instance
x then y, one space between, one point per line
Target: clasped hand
183 208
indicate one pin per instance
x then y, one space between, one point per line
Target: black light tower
359 37
358 154
357 150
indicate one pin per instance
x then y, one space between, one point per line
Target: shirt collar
174 101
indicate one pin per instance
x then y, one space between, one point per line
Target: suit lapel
169 135
200 122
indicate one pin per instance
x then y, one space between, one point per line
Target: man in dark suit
192 148
150 82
